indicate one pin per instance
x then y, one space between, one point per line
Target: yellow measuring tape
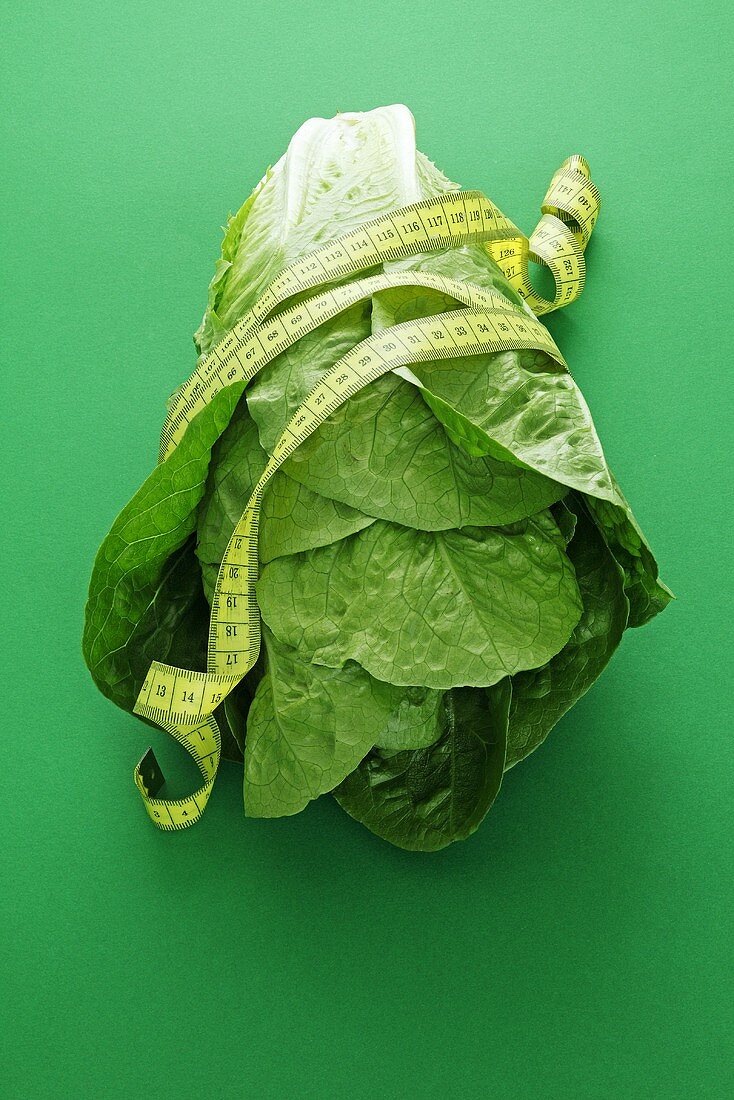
181 701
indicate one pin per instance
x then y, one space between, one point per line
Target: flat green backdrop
577 946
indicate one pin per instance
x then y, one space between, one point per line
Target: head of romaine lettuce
429 611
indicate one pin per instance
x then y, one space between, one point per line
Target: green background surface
578 945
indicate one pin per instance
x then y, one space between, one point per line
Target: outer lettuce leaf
133 561
427 799
309 726
499 404
173 627
525 404
646 593
542 695
440 609
520 406
214 324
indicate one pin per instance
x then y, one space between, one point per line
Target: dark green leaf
133 560
540 696
428 798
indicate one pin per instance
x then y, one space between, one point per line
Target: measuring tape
181 701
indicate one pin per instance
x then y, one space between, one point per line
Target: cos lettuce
447 563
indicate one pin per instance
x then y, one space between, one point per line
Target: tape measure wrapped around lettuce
445 563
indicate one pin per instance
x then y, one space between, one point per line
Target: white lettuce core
336 174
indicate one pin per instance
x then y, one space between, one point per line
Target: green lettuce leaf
519 404
440 609
133 561
425 800
385 454
646 593
544 423
540 696
214 325
174 627
309 726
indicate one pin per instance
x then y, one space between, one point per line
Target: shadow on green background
578 945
